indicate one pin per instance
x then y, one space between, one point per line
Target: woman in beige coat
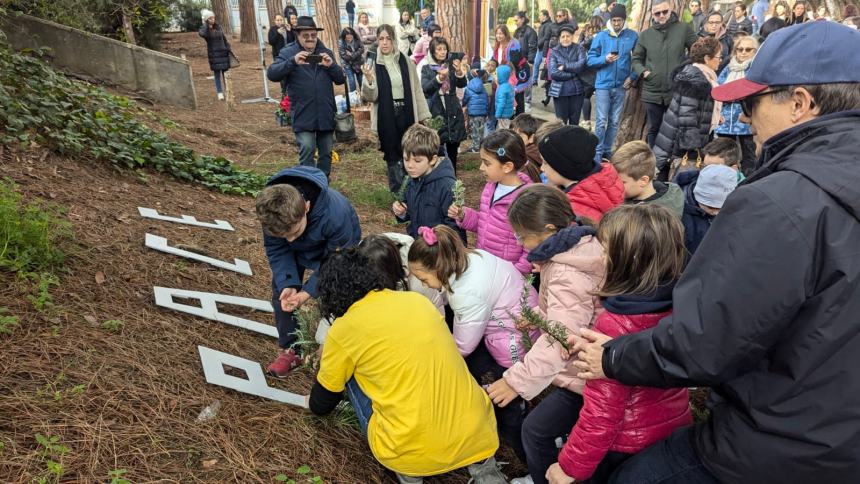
392 87
407 33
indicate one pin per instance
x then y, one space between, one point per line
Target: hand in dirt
286 294
327 61
588 348
455 212
300 58
399 209
295 301
555 475
501 393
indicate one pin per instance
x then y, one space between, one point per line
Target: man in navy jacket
309 69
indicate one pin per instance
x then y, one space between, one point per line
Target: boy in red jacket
592 188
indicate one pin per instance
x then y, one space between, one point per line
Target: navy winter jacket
696 221
309 87
475 98
565 82
427 199
332 224
611 76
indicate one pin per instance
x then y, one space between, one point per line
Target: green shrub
73 118
31 234
187 13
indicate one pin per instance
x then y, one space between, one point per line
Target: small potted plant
282 115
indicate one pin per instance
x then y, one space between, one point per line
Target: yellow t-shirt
429 414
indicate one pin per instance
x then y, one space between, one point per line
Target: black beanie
618 11
569 150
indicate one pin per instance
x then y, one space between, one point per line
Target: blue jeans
536 67
219 77
609 105
310 141
353 78
670 461
360 403
351 17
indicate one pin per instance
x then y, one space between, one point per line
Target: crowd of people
602 282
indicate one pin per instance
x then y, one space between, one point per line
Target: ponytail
440 250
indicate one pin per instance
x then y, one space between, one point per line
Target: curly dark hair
705 46
344 279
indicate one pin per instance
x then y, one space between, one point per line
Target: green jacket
660 49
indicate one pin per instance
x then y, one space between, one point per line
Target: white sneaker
523 480
220 96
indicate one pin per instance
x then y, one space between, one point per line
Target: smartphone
313 59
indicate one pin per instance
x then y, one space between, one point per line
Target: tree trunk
127 28
451 15
521 6
274 7
633 119
328 18
248 22
222 15
546 5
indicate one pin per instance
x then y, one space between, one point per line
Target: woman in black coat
439 81
217 48
280 35
692 114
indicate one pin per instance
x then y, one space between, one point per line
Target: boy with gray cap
705 192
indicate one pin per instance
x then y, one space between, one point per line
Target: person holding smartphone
309 69
610 54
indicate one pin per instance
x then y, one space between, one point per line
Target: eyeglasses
309 35
559 16
746 50
748 103
715 22
661 13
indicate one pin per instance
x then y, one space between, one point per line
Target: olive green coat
660 49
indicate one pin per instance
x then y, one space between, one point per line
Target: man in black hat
309 70
767 313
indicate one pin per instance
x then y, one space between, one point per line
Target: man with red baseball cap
767 313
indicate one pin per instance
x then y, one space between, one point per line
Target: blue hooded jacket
611 76
427 199
504 93
332 224
731 113
309 87
696 221
475 98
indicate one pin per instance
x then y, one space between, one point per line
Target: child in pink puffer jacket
484 292
571 269
503 154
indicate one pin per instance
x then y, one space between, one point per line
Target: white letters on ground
184 219
214 361
160 243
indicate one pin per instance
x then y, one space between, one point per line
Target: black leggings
655 114
452 149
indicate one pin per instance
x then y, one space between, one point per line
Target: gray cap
714 185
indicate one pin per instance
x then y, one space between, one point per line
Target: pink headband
428 235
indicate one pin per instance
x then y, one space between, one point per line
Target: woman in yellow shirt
421 410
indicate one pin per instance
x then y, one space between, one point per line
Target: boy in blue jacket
477 103
504 97
303 221
610 53
426 194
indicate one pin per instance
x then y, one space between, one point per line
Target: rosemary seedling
459 191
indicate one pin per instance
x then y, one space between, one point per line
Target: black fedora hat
306 23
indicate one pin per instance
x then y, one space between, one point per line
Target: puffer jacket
597 193
696 221
427 199
309 87
731 113
487 311
504 96
351 53
528 39
407 35
611 76
544 35
572 269
617 417
687 123
475 98
217 47
745 25
495 234
444 104
659 50
565 63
